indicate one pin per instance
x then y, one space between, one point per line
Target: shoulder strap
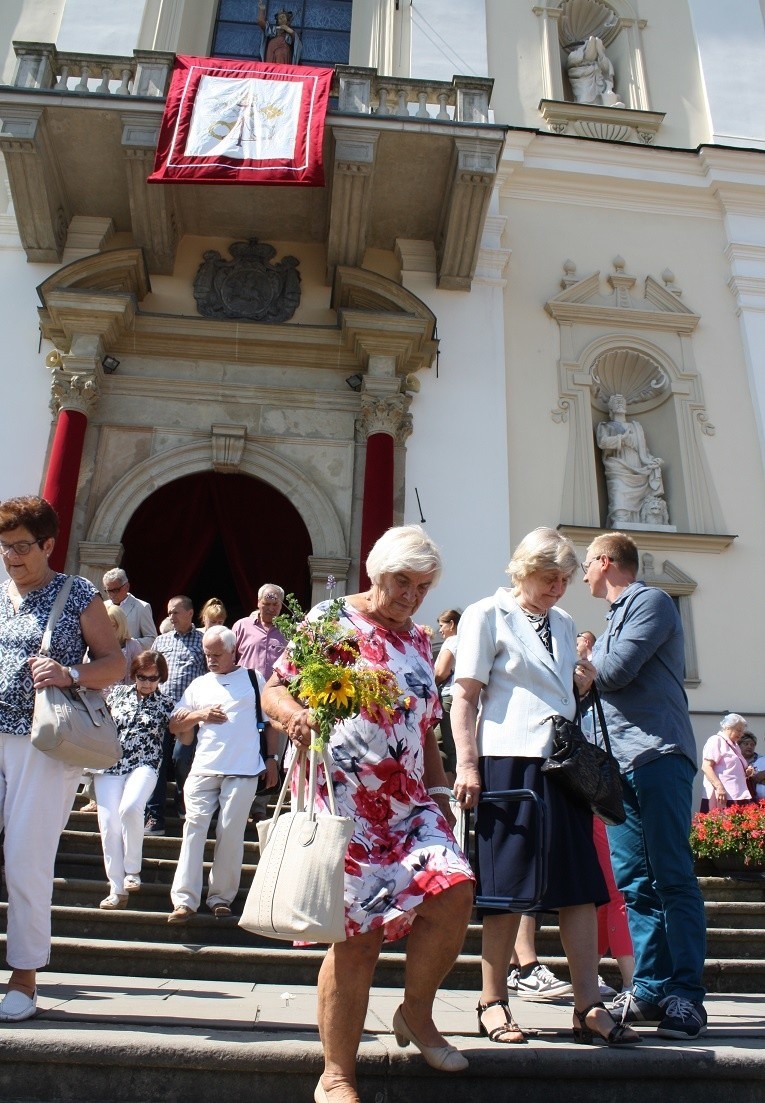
56 611
258 709
596 705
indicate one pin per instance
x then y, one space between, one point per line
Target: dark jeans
176 763
653 868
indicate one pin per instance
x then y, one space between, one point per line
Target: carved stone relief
250 285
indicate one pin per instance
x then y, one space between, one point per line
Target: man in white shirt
139 615
223 777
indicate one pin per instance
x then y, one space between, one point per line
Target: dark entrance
211 535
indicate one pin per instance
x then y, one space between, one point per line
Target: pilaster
474 170
350 207
155 213
37 186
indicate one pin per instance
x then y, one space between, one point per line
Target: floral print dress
402 849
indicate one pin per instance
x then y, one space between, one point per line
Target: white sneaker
606 990
512 980
133 883
541 983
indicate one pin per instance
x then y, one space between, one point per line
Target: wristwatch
274 756
74 675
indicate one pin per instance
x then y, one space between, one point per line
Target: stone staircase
107 1055
139 941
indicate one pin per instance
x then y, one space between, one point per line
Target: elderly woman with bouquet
359 673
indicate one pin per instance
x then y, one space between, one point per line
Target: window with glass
323 26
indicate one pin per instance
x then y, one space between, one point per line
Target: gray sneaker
512 980
627 1008
542 984
682 1018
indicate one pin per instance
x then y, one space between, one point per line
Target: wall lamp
110 364
354 382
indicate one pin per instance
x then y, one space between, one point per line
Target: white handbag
73 725
297 893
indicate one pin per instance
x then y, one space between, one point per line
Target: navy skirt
505 844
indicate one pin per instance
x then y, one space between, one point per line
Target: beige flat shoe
114 901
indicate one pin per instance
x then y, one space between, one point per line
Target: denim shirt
640 660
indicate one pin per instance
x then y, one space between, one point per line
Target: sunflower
338 691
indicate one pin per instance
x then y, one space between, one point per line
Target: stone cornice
711 543
71 313
603 123
620 317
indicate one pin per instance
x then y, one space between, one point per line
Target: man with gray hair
223 777
139 615
259 643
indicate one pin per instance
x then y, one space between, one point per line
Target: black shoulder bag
589 773
261 725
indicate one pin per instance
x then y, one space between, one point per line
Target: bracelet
440 791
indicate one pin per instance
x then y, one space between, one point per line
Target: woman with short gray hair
404 873
724 767
517 667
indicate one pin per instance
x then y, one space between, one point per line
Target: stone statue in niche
281 43
591 74
249 286
633 475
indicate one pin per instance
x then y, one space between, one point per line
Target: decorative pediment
623 305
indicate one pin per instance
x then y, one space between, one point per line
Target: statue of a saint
591 74
633 475
281 44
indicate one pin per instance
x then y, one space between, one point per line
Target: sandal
619 1035
499 1033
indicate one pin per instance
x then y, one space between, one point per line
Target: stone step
281 963
154 846
137 1041
76 912
154 870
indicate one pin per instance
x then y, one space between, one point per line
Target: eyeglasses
19 547
586 566
115 589
147 677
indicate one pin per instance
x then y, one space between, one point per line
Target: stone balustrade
40 66
362 91
358 91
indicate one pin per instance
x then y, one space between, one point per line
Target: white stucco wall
456 456
731 45
24 380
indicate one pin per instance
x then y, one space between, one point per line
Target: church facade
441 333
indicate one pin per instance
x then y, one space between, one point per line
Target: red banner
242 122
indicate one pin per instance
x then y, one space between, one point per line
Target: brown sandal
498 1034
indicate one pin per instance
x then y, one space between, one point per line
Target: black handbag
263 789
589 773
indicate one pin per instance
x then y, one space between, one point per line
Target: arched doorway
211 534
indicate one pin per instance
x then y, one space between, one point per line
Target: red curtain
216 527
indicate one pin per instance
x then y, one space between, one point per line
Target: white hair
542 549
404 548
733 720
116 574
220 632
270 586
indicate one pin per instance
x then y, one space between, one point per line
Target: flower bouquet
729 834
331 678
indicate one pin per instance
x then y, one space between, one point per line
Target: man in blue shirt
640 664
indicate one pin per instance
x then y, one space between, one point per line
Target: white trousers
204 793
36 797
121 802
